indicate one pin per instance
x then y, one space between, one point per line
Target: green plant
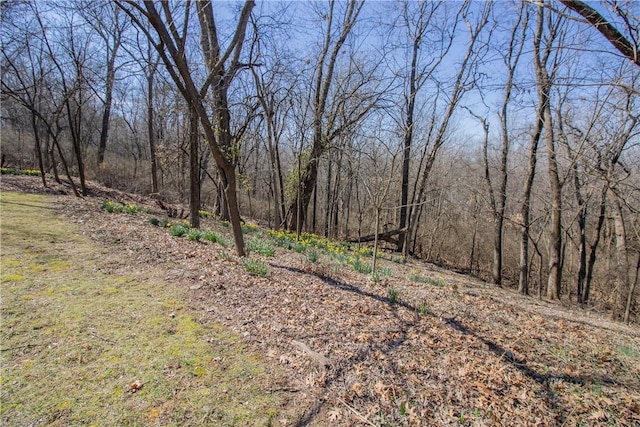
385 272
194 234
360 266
313 256
249 228
179 230
376 277
392 294
424 310
261 247
210 236
112 207
298 247
27 172
154 221
225 256
256 267
131 209
425 279
629 351
398 259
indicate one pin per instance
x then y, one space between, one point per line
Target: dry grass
90 340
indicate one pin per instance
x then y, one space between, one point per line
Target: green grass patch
81 346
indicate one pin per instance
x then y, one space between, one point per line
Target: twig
322 361
102 338
358 414
21 346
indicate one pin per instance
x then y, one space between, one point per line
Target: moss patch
83 347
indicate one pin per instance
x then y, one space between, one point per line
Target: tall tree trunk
622 260
151 133
586 290
543 85
323 82
106 114
194 169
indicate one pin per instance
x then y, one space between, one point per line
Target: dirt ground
449 350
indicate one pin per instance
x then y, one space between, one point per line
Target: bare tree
222 65
419 23
464 81
628 46
544 81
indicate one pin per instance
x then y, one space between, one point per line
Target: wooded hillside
499 139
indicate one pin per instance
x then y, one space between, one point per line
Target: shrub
154 221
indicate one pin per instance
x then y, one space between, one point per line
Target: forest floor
309 342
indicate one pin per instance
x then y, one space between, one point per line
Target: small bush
256 267
154 221
179 230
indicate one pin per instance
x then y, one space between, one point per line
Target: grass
76 337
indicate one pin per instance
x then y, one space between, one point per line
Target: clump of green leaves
256 267
112 207
313 256
249 228
398 259
179 230
423 309
154 221
361 266
393 294
206 214
425 279
194 234
210 236
27 172
261 247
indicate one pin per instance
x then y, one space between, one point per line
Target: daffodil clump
117 207
27 172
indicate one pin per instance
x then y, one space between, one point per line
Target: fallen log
387 236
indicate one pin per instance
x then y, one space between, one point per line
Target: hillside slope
419 346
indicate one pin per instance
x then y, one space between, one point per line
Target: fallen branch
322 361
387 236
357 414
